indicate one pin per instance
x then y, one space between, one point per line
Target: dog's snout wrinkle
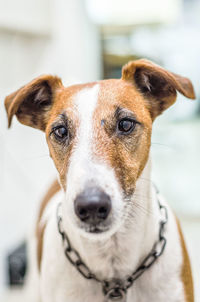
92 206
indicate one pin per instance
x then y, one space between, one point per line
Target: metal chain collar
116 289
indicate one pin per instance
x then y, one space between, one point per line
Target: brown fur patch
40 228
54 188
40 238
127 154
186 273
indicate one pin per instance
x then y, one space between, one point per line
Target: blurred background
87 40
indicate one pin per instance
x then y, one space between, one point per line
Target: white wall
133 12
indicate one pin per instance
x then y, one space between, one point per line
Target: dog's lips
94 229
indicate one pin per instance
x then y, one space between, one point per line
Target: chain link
114 286
71 254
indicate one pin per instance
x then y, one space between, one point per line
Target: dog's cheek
60 156
126 170
129 160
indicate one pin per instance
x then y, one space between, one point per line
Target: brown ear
32 102
158 85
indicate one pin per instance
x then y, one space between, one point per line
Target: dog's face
99 136
99 140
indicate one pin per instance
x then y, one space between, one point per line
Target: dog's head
99 136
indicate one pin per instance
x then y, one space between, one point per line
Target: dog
104 233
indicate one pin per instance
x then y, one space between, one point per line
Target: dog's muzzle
92 207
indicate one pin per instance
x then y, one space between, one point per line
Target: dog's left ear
158 86
32 102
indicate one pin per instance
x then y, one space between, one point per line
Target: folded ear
158 86
32 102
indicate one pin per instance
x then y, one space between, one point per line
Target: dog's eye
60 132
126 125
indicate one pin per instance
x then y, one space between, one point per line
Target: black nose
92 205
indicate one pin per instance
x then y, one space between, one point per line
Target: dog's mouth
106 228
94 229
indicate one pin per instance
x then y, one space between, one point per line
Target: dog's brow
123 112
62 118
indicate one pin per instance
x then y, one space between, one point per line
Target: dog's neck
123 252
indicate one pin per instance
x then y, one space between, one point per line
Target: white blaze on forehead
85 103
80 169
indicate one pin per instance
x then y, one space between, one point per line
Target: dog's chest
76 289
142 291
61 282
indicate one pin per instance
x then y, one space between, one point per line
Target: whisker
139 197
136 204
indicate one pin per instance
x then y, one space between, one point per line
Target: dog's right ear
32 102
